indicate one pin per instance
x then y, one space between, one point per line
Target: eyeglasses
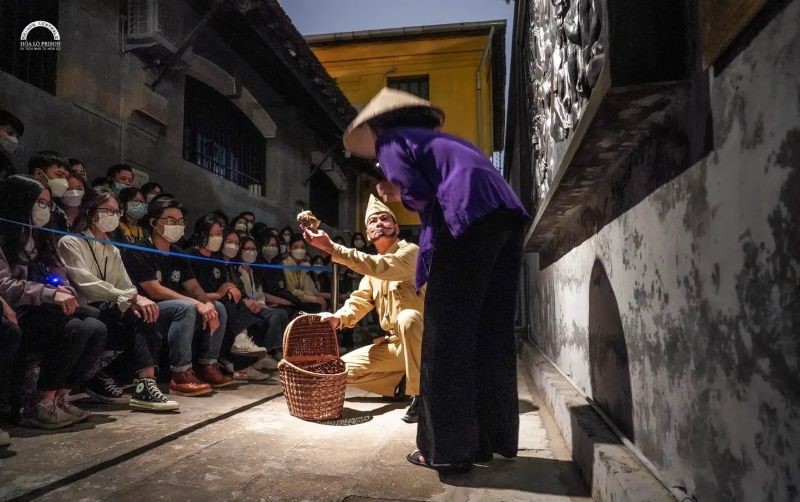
45 204
172 221
108 211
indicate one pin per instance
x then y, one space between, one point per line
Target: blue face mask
118 187
136 210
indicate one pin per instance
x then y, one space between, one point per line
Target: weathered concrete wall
682 316
92 116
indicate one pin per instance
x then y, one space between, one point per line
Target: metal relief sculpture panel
565 56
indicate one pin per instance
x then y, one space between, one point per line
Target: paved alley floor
242 444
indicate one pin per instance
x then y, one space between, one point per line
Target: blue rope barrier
134 247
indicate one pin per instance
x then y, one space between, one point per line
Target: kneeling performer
388 287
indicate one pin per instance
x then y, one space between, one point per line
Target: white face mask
9 143
269 252
358 243
40 215
58 186
230 250
107 222
241 227
214 243
173 233
287 238
298 254
72 198
249 255
151 196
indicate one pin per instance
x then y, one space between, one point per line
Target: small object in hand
308 220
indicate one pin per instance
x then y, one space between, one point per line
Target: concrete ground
242 444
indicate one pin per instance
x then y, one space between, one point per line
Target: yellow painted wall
362 68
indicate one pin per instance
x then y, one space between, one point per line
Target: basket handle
308 319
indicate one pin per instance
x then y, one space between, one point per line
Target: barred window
416 85
37 67
219 137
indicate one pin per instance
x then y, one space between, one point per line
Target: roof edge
405 32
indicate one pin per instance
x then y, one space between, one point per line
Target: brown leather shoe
211 374
185 383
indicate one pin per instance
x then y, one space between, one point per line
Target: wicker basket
312 374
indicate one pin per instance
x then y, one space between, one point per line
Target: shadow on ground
526 474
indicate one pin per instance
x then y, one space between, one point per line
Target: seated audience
98 275
298 282
52 171
184 307
35 285
131 228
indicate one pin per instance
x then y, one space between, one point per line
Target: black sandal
416 458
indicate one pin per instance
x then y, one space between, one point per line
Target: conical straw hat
357 138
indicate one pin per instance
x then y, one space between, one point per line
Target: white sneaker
5 439
243 345
250 374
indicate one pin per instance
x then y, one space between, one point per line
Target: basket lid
307 338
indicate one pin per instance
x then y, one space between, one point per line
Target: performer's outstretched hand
330 319
318 238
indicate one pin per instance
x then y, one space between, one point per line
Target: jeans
180 321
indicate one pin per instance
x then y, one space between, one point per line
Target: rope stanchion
134 247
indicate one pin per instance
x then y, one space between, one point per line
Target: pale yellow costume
388 287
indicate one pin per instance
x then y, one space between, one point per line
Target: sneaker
250 374
185 383
243 345
210 374
266 364
5 439
79 414
46 415
147 396
103 389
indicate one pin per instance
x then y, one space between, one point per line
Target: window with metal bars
37 67
219 137
416 85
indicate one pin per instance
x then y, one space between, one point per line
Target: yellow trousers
379 367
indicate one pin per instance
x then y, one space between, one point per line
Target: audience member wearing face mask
52 171
11 129
36 286
272 280
70 202
298 282
120 177
134 208
184 309
273 320
96 271
222 284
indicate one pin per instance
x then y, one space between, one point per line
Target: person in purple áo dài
470 254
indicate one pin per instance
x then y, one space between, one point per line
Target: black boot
412 415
